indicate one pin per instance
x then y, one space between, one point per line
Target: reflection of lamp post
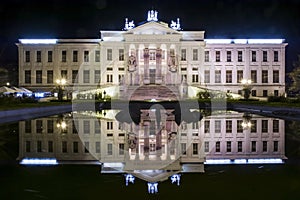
62 125
246 87
60 85
104 93
246 121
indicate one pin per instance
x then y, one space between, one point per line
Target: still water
150 154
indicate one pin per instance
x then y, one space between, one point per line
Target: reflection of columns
158 143
146 66
158 66
146 140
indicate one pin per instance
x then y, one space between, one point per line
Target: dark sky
84 19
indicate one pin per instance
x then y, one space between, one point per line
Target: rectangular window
75 147
121 54
253 56
206 146
253 93
218 56
183 148
63 56
276 56
239 76
109 54
50 56
228 126
86 127
86 57
121 78
97 76
109 149
27 56
38 76
64 74
109 78
265 56
75 56
264 76
264 126
38 56
39 126
228 146
28 126
275 147
276 93
240 56
239 126
50 126
218 146
195 78
74 76
97 127
228 53
109 125
195 125
195 148
275 76
50 146
49 76
275 126
228 76
206 126
64 146
253 76
27 146
218 126
183 54
86 147
217 76
240 146
253 126
253 146
74 126
265 146
195 54
86 76
206 56
39 146
97 56
265 93
206 76
121 149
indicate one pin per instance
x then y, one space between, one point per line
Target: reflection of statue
172 63
131 63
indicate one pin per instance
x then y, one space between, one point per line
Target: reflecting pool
150 153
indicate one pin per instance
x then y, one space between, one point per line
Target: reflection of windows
27 146
275 126
264 126
253 146
195 148
253 93
183 54
121 149
240 146
275 147
228 146
265 146
206 126
109 78
152 55
183 148
206 146
218 126
228 126
64 147
97 144
74 127
39 126
39 146
206 56
253 126
218 146
75 147
109 149
64 74
86 126
217 76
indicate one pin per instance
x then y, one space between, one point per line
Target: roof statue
152 16
175 25
128 25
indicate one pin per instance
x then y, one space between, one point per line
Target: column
158 66
146 66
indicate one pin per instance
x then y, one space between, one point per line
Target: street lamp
246 87
60 85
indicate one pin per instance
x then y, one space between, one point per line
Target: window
253 56
109 54
121 78
97 76
253 76
97 127
276 93
38 56
109 78
50 56
240 146
228 76
265 93
183 54
264 126
240 56
64 146
264 76
253 93
206 76
75 147
50 126
265 146
218 146
275 147
228 126
74 76
86 127
275 76
218 126
195 148
97 56
28 76
195 54
275 56
183 148
275 126
63 56
121 54
218 56
27 56
239 127
27 146
50 146
195 125
239 76
28 126
206 126
206 146
38 76
86 147
86 76
152 55
49 76
195 78
39 146
75 56
265 56
86 56
74 127
217 76
109 125
253 146
253 126
228 53
206 56
97 147
109 149
121 149
228 146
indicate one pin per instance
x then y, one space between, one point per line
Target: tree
295 76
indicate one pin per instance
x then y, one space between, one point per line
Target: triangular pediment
150 28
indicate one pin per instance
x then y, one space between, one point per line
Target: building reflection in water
156 148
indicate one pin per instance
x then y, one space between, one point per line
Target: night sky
84 19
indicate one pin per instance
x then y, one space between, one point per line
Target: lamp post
60 85
246 87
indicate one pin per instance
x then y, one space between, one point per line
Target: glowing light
240 41
153 100
244 161
152 16
218 161
152 188
218 41
112 165
61 81
129 179
240 161
175 179
265 41
246 81
38 41
265 160
39 161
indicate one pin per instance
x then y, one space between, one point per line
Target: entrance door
152 76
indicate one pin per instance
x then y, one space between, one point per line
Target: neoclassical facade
154 53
